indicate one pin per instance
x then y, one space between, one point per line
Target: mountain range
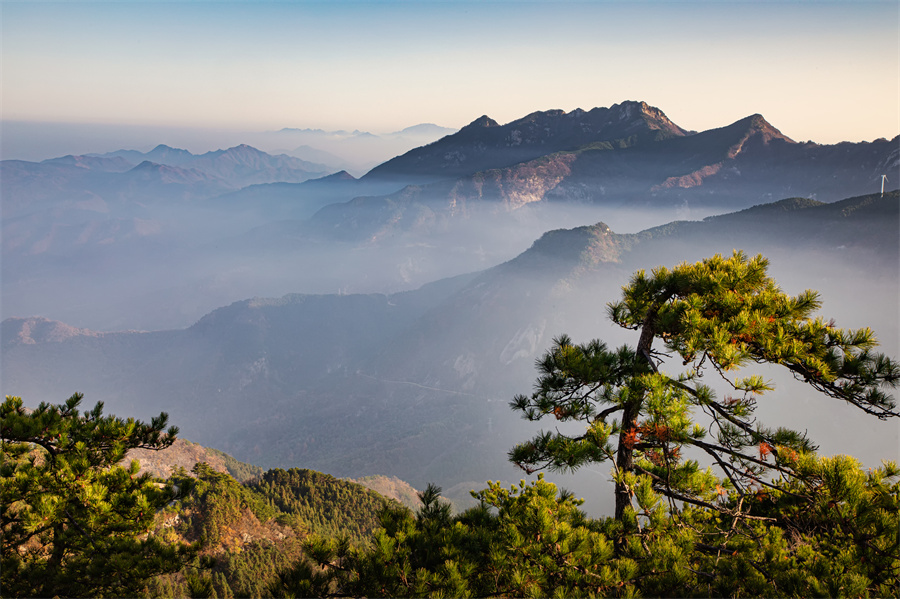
562 167
101 183
484 144
356 151
627 156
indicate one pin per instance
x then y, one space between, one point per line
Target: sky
820 71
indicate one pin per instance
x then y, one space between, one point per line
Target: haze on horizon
823 71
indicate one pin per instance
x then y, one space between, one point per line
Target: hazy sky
825 71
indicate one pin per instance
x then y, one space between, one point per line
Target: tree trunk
624 456
54 564
625 453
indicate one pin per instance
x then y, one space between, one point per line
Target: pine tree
718 315
779 521
74 522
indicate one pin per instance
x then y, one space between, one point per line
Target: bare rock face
181 454
34 330
392 488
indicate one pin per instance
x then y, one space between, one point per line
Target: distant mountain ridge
356 151
485 144
31 331
631 156
240 165
127 199
117 177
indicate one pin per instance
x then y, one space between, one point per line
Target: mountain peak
634 110
429 129
234 151
36 329
338 176
629 107
482 122
757 124
754 130
585 246
147 165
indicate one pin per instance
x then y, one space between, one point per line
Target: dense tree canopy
531 540
323 504
74 522
250 534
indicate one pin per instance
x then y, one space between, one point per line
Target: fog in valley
288 305
170 268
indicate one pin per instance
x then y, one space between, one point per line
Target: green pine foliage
718 315
252 571
531 540
323 504
241 471
74 522
216 509
246 572
215 502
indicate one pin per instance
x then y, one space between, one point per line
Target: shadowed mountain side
68 193
275 345
485 144
416 385
441 206
286 201
860 230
